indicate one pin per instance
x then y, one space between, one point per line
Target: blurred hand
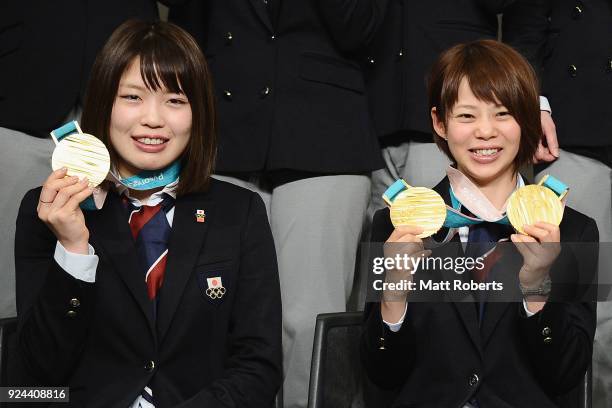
58 207
550 151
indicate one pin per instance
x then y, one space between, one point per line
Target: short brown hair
169 58
495 73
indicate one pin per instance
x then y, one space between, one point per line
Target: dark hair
495 73
169 58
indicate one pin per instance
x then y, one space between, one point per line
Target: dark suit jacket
580 36
412 36
441 358
290 92
201 352
47 49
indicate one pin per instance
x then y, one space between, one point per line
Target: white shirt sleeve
529 314
82 267
394 327
545 105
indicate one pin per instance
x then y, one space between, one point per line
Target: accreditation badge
84 155
542 202
416 206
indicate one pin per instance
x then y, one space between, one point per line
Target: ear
438 125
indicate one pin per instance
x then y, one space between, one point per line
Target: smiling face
483 137
148 129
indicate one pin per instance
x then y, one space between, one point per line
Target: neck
497 189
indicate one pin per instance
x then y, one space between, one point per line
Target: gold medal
415 206
82 154
537 203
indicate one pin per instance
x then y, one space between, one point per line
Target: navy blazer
442 358
106 346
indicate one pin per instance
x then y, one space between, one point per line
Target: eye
177 101
465 116
130 97
503 114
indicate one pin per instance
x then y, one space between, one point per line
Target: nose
152 116
486 129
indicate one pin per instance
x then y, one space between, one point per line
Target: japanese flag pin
200 216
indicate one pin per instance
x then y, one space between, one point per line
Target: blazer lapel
186 241
463 303
113 236
262 11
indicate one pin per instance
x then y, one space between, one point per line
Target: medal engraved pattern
533 203
421 207
84 156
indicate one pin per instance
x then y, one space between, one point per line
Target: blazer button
150 366
228 94
546 331
577 12
228 38
547 340
572 70
371 60
609 66
473 380
71 314
273 37
74 302
265 92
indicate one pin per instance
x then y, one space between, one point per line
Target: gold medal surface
83 155
531 204
420 207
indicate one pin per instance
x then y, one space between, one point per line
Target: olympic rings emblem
216 293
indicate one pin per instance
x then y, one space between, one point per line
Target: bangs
161 66
487 76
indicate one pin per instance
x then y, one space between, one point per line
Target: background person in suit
401 54
542 345
576 37
168 296
46 52
294 126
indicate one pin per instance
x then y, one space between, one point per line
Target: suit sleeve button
548 340
150 366
572 70
229 37
265 92
473 380
74 302
228 94
546 331
71 313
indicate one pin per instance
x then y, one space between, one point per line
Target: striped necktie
151 231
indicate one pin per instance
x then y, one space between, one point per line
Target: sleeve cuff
82 267
395 327
529 314
545 105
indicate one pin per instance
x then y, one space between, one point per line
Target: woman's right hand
58 207
403 241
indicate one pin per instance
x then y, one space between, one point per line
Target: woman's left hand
539 249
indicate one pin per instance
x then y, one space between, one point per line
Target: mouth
485 154
150 143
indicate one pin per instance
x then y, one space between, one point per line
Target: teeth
150 141
486 152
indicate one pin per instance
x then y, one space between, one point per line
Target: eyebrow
132 86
